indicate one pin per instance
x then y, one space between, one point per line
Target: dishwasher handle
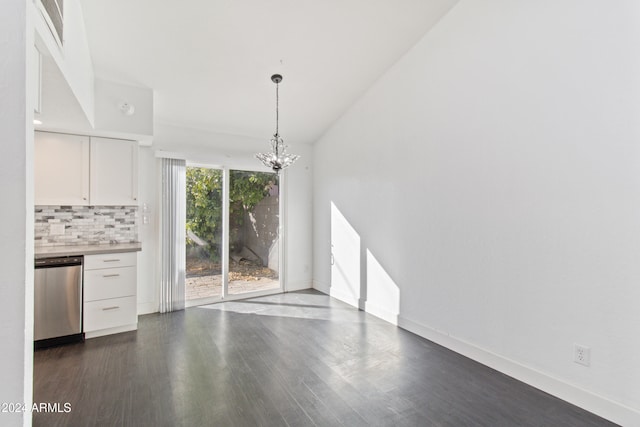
58 262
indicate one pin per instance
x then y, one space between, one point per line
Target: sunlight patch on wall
345 259
383 295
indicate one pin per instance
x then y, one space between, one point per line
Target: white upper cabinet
61 169
114 172
80 170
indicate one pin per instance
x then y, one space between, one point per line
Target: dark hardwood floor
297 359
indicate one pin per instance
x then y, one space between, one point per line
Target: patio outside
205 280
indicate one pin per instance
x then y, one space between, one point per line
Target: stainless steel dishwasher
57 301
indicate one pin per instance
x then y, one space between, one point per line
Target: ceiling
209 62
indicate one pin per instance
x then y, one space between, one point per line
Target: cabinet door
61 169
110 313
109 283
110 260
114 172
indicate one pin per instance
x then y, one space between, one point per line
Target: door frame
225 296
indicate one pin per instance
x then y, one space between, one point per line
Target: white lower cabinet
110 303
100 317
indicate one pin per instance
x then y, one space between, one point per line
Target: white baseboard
591 402
599 405
110 331
147 308
321 287
379 312
346 298
298 286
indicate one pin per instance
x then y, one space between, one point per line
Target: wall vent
54 15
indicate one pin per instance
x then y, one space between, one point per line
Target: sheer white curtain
173 235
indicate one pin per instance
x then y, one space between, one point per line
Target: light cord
277 103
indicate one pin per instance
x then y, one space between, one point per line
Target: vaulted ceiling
209 62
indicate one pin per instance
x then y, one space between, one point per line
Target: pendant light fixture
278 158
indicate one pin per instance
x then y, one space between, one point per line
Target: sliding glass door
254 223
204 233
232 234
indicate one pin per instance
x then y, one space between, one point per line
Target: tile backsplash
85 225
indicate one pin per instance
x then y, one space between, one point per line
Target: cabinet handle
115 307
110 275
110 260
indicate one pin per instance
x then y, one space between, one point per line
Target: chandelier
278 158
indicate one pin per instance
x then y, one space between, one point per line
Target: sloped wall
486 193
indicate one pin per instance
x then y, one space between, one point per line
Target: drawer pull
115 307
111 275
110 260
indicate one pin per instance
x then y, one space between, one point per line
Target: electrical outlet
581 354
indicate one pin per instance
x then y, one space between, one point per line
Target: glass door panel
204 188
254 222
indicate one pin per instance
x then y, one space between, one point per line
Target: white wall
109 96
298 219
148 206
74 59
16 227
489 184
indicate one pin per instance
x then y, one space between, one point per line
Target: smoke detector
127 109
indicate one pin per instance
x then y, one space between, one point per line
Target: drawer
109 283
110 313
123 259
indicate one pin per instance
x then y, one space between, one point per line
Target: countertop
75 250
